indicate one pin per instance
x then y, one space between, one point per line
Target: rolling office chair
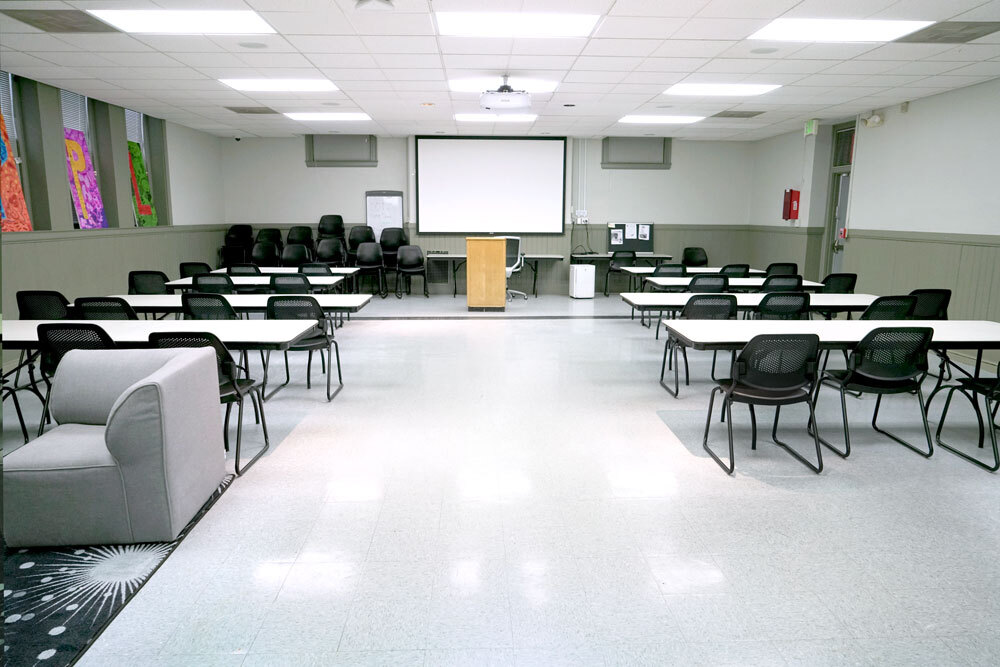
514 264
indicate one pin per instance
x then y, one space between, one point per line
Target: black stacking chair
694 257
781 283
232 387
708 283
300 235
889 360
837 283
147 282
972 388
243 270
213 283
307 308
782 269
208 306
295 254
9 391
698 307
391 240
667 271
237 244
331 251
619 260
331 226
270 235
103 308
291 283
359 234
736 270
369 263
239 235
782 306
315 269
192 269
772 370
883 308
38 305
266 254
229 254
409 263
932 304
55 339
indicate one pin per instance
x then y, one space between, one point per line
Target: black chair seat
986 385
317 341
870 384
742 393
230 392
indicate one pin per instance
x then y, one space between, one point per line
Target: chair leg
992 467
843 412
45 411
424 276
334 354
818 468
607 277
708 423
669 352
923 418
225 427
753 425
309 368
20 417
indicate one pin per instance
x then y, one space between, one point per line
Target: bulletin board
635 236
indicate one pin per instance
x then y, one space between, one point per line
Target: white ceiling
387 63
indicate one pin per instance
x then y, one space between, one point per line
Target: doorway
840 188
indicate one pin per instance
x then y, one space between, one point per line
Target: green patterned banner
142 196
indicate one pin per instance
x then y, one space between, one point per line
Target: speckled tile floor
522 492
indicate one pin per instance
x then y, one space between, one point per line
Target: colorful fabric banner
13 210
142 195
83 182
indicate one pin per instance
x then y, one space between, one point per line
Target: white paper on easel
643 232
630 231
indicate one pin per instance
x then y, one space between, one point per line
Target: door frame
830 226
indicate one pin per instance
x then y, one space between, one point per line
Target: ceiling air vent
59 20
952 32
736 114
253 111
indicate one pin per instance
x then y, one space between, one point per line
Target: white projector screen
484 185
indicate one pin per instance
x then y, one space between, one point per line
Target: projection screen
481 185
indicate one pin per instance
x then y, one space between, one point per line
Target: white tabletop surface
233 333
278 270
960 334
646 270
450 256
668 300
262 281
172 302
607 255
733 282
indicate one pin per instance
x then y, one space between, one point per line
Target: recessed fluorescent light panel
720 89
659 120
837 30
280 85
325 116
480 84
184 22
495 118
515 24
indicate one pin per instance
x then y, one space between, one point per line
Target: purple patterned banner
83 182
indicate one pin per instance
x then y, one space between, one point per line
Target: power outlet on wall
580 216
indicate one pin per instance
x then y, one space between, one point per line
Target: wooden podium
486 273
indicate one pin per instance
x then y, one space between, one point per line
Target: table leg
534 279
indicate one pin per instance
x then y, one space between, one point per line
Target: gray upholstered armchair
137 450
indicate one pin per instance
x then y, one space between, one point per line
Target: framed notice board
383 208
635 236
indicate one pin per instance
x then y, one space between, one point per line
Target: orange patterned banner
13 209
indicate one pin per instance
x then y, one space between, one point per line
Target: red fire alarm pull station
790 209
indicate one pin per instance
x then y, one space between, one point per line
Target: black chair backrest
890 308
932 304
290 283
228 370
694 256
147 282
331 226
191 269
736 270
240 232
331 251
295 308
709 282
369 255
359 234
782 283
269 235
409 258
782 269
103 308
300 234
202 306
295 254
55 339
42 305
782 306
265 253
839 283
391 239
709 307
622 258
780 362
315 269
670 271
891 353
234 254
213 283
243 270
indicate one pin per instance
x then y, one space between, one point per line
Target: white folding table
739 283
244 303
457 259
325 282
284 270
648 270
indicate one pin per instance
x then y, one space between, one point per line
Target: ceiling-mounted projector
505 98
